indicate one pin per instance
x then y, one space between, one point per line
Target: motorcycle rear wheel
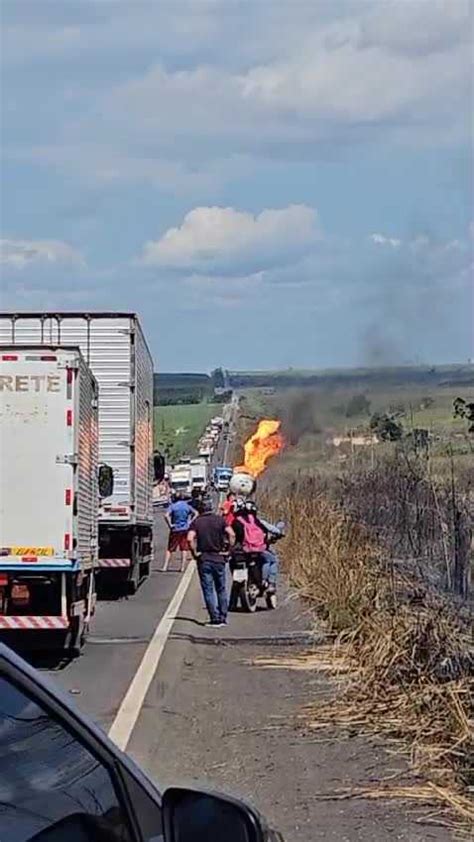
248 598
271 600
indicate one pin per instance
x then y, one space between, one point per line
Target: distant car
61 778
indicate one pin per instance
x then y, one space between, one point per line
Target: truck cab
222 476
181 480
199 471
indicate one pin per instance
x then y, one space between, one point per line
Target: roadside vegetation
404 646
380 544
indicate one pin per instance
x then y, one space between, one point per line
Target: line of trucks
76 469
192 476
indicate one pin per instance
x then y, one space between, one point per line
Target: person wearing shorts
179 518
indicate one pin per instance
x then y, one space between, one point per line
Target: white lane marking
129 711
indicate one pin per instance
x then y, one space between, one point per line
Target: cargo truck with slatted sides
49 442
115 349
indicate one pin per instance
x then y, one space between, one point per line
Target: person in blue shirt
179 517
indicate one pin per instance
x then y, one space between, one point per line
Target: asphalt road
224 707
122 628
120 633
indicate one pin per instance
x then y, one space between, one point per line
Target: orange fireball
267 441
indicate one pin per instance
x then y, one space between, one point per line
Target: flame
267 441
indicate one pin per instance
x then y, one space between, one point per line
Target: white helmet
242 484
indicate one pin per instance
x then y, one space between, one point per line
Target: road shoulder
225 708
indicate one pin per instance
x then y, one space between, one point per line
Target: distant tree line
189 388
364 377
171 397
181 388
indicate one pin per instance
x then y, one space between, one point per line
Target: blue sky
267 182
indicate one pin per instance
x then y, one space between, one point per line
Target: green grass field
177 428
415 407
312 416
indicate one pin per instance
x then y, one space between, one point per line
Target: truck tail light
20 594
67 541
3 579
46 358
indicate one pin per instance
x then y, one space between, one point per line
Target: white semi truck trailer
115 349
48 495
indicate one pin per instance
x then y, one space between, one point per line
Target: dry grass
409 650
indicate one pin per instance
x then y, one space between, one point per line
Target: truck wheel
134 581
93 594
76 637
145 569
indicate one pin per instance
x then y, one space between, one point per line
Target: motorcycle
248 585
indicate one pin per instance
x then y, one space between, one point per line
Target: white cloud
105 166
19 254
77 29
348 84
345 72
216 235
416 27
322 93
382 240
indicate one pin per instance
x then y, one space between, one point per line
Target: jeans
212 575
270 567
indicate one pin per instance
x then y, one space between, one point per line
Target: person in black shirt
210 540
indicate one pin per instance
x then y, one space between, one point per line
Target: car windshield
46 775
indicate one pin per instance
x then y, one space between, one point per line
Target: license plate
240 575
27 551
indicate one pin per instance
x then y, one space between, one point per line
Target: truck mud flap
78 608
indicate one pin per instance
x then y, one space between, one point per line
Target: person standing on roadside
179 518
210 540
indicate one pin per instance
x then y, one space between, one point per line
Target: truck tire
134 581
145 569
93 594
76 637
